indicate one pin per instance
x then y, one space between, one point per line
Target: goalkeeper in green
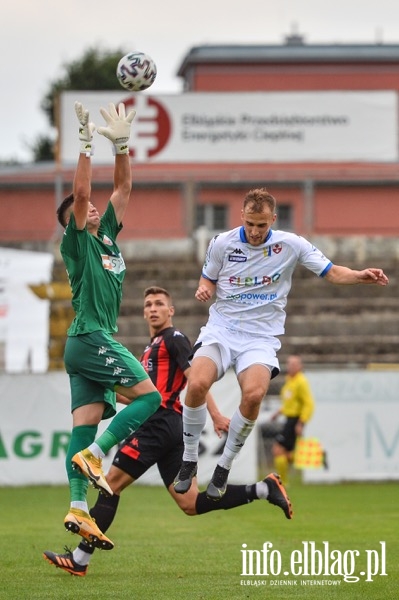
98 366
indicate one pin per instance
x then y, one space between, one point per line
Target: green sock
78 489
81 437
106 441
128 420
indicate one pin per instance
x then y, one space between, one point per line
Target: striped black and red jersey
165 359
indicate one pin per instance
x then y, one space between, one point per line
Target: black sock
251 491
103 512
236 495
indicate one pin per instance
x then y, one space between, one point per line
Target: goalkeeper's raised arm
117 131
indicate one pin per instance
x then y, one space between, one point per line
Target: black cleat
278 495
65 562
217 486
183 479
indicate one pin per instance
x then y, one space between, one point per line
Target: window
212 216
285 217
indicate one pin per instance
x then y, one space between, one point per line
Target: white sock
81 557
81 504
239 430
194 420
96 450
262 490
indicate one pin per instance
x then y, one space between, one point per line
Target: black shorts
158 441
287 436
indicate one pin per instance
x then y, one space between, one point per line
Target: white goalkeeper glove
118 127
86 130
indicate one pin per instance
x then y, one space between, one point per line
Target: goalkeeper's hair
62 209
255 201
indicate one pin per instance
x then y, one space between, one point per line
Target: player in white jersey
250 270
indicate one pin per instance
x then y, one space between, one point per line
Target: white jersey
253 282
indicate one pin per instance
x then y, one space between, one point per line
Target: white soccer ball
136 71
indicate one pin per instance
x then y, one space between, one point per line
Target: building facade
172 200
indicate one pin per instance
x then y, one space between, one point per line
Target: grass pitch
160 553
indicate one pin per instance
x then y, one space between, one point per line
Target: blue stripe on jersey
328 267
243 237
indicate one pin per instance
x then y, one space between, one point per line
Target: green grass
160 553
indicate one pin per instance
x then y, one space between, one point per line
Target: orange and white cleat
80 522
91 466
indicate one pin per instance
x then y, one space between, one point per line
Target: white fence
356 419
35 424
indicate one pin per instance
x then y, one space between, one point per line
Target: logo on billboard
151 128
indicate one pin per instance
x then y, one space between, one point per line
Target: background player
297 406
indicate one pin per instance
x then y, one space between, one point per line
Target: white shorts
231 348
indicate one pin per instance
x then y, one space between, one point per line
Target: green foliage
95 70
42 149
161 553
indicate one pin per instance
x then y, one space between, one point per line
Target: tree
94 71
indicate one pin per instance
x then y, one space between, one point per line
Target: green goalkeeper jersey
96 271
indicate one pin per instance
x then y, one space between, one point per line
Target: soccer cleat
218 484
183 479
65 562
278 495
91 466
79 521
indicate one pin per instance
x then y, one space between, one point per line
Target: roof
293 51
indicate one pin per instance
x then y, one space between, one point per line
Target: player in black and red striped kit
160 439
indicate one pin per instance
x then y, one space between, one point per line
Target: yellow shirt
296 397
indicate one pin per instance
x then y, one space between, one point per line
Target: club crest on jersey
276 248
107 241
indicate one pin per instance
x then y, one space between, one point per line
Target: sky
38 38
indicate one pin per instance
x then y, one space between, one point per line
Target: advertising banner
35 426
24 317
357 422
252 127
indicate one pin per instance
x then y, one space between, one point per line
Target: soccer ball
136 71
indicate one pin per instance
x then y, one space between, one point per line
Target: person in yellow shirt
297 406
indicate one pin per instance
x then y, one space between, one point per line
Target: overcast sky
39 36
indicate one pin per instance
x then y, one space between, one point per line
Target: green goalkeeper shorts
96 363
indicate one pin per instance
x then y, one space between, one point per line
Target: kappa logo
237 256
118 370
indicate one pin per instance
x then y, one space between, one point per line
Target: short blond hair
255 201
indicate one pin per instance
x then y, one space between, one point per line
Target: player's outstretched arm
117 130
345 276
82 178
